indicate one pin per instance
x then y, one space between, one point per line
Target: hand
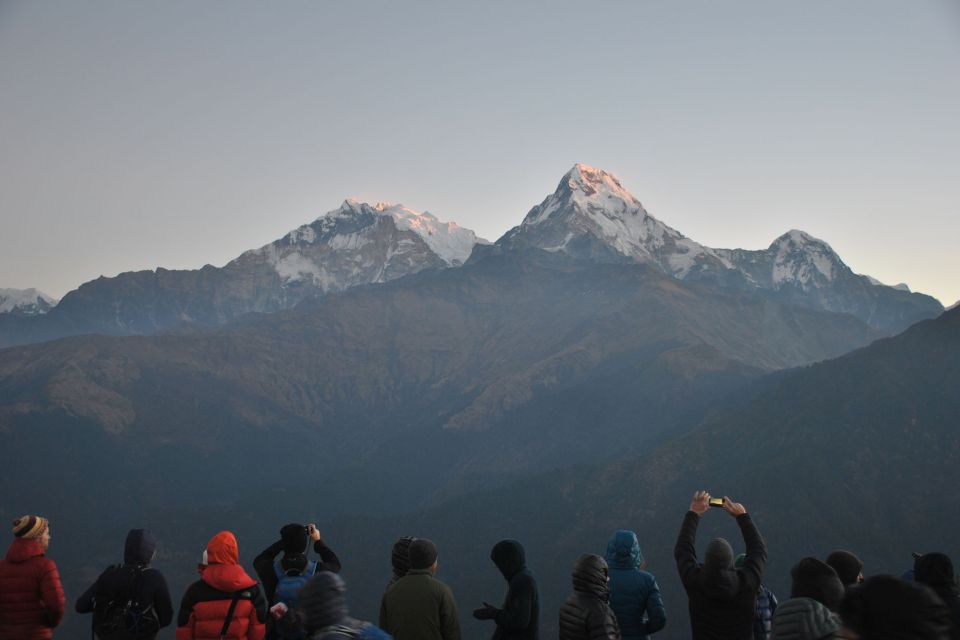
700 503
278 610
733 508
486 612
312 530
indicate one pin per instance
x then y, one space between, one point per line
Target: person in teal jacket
634 593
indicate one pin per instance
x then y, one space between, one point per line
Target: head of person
848 566
295 540
936 571
223 549
885 607
423 555
509 557
322 602
591 576
814 579
34 528
623 551
400 557
140 547
718 556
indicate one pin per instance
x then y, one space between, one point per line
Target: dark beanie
422 554
888 608
847 565
294 537
322 601
719 554
399 558
815 579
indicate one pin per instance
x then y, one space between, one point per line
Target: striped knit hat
30 527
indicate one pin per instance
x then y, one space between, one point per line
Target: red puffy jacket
31 598
206 603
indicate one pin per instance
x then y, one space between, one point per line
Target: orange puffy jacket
206 603
31 598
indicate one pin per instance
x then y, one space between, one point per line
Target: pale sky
169 133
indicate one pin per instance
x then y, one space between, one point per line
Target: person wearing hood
519 616
323 612
888 608
134 579
634 593
935 570
225 603
400 558
586 614
721 599
803 619
31 597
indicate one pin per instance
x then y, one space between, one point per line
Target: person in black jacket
936 571
519 617
294 544
136 578
721 599
586 615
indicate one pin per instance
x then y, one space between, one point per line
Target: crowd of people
614 597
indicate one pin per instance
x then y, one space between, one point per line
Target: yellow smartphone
716 502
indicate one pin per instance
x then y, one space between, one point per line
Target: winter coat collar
22 549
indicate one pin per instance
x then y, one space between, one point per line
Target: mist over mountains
386 374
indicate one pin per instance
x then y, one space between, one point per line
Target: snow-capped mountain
361 243
26 302
591 215
354 245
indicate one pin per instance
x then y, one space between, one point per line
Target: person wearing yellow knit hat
31 597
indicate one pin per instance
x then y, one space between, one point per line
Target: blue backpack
290 582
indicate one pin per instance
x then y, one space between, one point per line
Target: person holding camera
282 579
721 599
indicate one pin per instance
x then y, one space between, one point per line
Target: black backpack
122 617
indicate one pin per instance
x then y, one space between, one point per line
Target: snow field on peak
12 299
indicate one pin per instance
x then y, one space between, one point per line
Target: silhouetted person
31 598
133 581
418 606
634 593
935 570
400 559
812 578
888 608
323 612
848 566
721 599
519 616
586 614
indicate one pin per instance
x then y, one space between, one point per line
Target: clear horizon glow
175 134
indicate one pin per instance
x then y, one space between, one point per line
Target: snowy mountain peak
28 302
802 259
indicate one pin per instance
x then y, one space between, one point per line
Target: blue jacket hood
623 550
140 547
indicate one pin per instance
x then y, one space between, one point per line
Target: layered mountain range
589 216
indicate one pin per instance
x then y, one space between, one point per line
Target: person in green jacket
418 606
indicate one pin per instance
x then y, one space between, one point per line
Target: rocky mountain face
591 216
25 302
353 245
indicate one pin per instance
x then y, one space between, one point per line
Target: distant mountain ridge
354 245
25 302
592 216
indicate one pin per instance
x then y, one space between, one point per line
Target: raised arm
685 551
756 549
263 565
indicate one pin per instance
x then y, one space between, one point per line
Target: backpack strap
230 611
311 568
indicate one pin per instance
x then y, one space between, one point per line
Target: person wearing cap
294 544
586 614
134 578
721 599
418 606
225 598
518 618
766 606
634 593
848 566
31 597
